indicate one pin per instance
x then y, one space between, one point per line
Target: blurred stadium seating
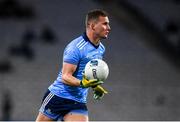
142 52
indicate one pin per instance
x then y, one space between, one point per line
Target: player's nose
108 28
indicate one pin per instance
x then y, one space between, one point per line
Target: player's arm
67 74
68 78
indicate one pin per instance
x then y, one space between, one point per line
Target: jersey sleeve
71 55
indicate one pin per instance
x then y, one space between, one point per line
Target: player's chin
105 37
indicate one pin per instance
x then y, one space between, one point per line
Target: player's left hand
89 83
99 92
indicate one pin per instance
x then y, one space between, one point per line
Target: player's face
102 27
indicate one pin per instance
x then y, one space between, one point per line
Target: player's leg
75 117
57 108
49 108
78 112
42 117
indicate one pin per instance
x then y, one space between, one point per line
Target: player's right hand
89 83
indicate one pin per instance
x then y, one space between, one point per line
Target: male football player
65 99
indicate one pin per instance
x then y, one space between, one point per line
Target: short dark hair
94 15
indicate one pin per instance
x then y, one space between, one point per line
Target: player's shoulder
77 43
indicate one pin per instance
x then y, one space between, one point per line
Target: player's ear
92 26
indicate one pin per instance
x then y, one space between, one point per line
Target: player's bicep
67 74
68 68
71 59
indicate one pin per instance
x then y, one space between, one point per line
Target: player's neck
93 38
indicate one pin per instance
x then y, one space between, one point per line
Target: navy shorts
56 107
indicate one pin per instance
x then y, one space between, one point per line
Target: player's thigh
75 117
42 117
49 110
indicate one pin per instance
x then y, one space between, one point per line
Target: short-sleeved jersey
78 52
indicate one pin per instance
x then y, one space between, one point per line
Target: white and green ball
96 69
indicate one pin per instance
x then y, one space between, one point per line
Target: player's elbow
68 79
65 78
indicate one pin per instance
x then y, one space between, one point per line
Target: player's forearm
70 80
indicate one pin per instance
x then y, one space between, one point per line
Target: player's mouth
107 32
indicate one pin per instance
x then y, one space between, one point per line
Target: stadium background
142 52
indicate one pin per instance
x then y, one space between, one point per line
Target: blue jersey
77 52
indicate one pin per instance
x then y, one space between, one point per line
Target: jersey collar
87 39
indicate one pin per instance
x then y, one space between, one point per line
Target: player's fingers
97 83
100 89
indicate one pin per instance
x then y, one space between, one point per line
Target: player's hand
89 83
99 92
